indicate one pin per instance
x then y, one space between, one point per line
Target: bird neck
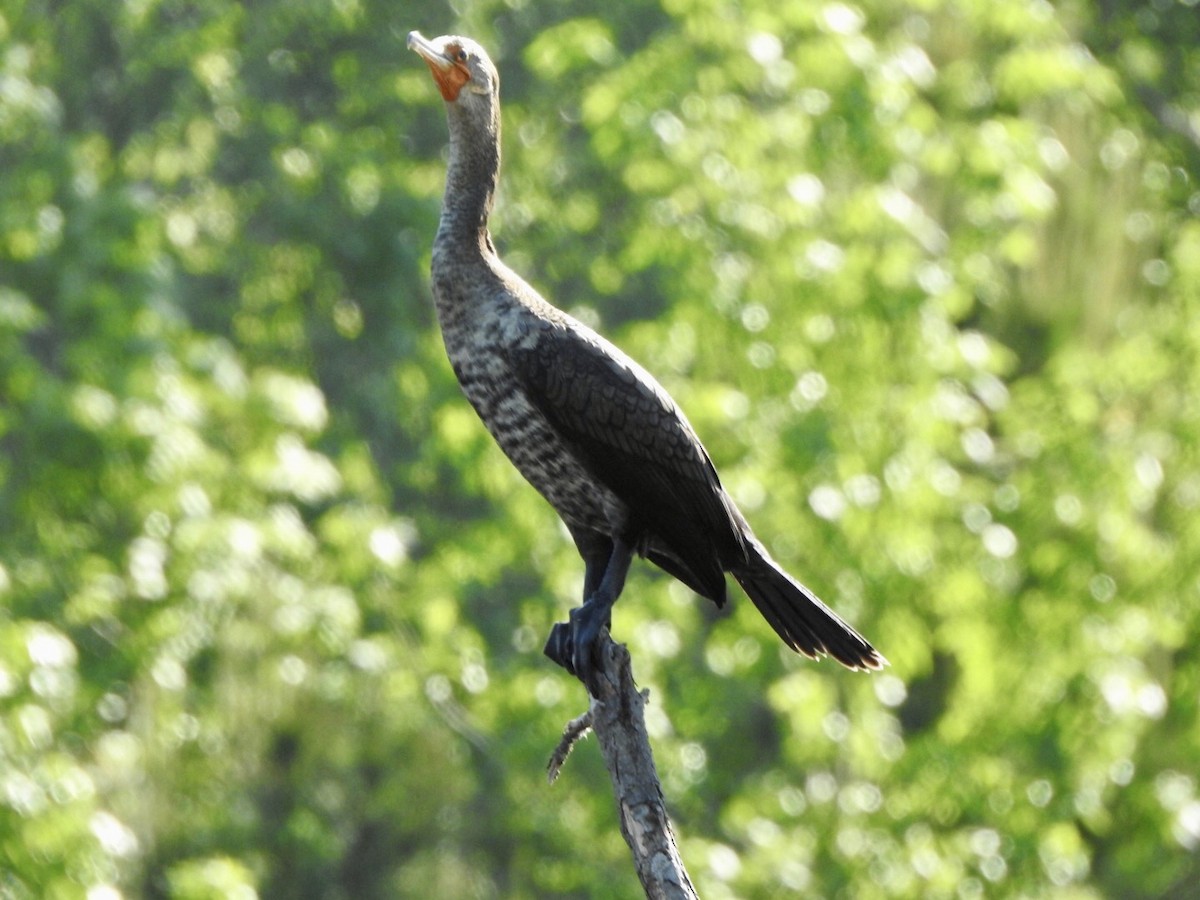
471 176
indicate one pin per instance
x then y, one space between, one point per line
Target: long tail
806 624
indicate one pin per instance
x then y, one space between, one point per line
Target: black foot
558 646
573 644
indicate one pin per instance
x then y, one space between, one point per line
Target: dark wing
628 432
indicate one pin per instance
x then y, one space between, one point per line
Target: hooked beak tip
426 49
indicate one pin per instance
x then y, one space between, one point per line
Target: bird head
457 64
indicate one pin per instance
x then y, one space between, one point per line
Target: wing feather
629 433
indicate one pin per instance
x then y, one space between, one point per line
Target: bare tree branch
575 731
618 719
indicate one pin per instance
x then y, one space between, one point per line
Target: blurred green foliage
926 277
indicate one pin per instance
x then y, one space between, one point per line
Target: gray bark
617 717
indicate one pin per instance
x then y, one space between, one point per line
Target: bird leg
572 644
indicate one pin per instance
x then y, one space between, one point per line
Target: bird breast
479 333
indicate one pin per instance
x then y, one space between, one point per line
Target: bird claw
558 646
573 644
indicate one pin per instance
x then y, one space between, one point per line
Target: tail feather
806 624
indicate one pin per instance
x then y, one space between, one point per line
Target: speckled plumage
587 426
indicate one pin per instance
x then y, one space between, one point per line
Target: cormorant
587 426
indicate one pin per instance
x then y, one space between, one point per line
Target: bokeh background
925 275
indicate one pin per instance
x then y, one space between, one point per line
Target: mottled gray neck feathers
472 173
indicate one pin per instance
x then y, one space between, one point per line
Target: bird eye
462 55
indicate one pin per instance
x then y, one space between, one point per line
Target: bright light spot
1152 700
864 490
974 348
952 403
944 478
792 801
367 655
438 689
1139 226
194 502
724 862
1053 154
1174 789
1103 588
898 204
719 659
926 862
548 691
119 751
1119 149
761 354
147 558
978 445
806 189
749 493
1156 272
693 756
1121 772
862 796
1187 830
181 228
169 674
827 502
994 868
836 726
825 255
764 48
851 841
244 539
294 401
763 832
735 404
915 64
890 690
103 892
112 707
990 390
474 677
50 649
52 682
842 19
22 794
668 126
93 406
1117 691
1068 508
186 728
1040 793
364 185
755 317
115 838
976 517
999 541
811 388
297 163
662 639
934 279
821 787
747 650
388 544
1149 471
308 475
795 876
